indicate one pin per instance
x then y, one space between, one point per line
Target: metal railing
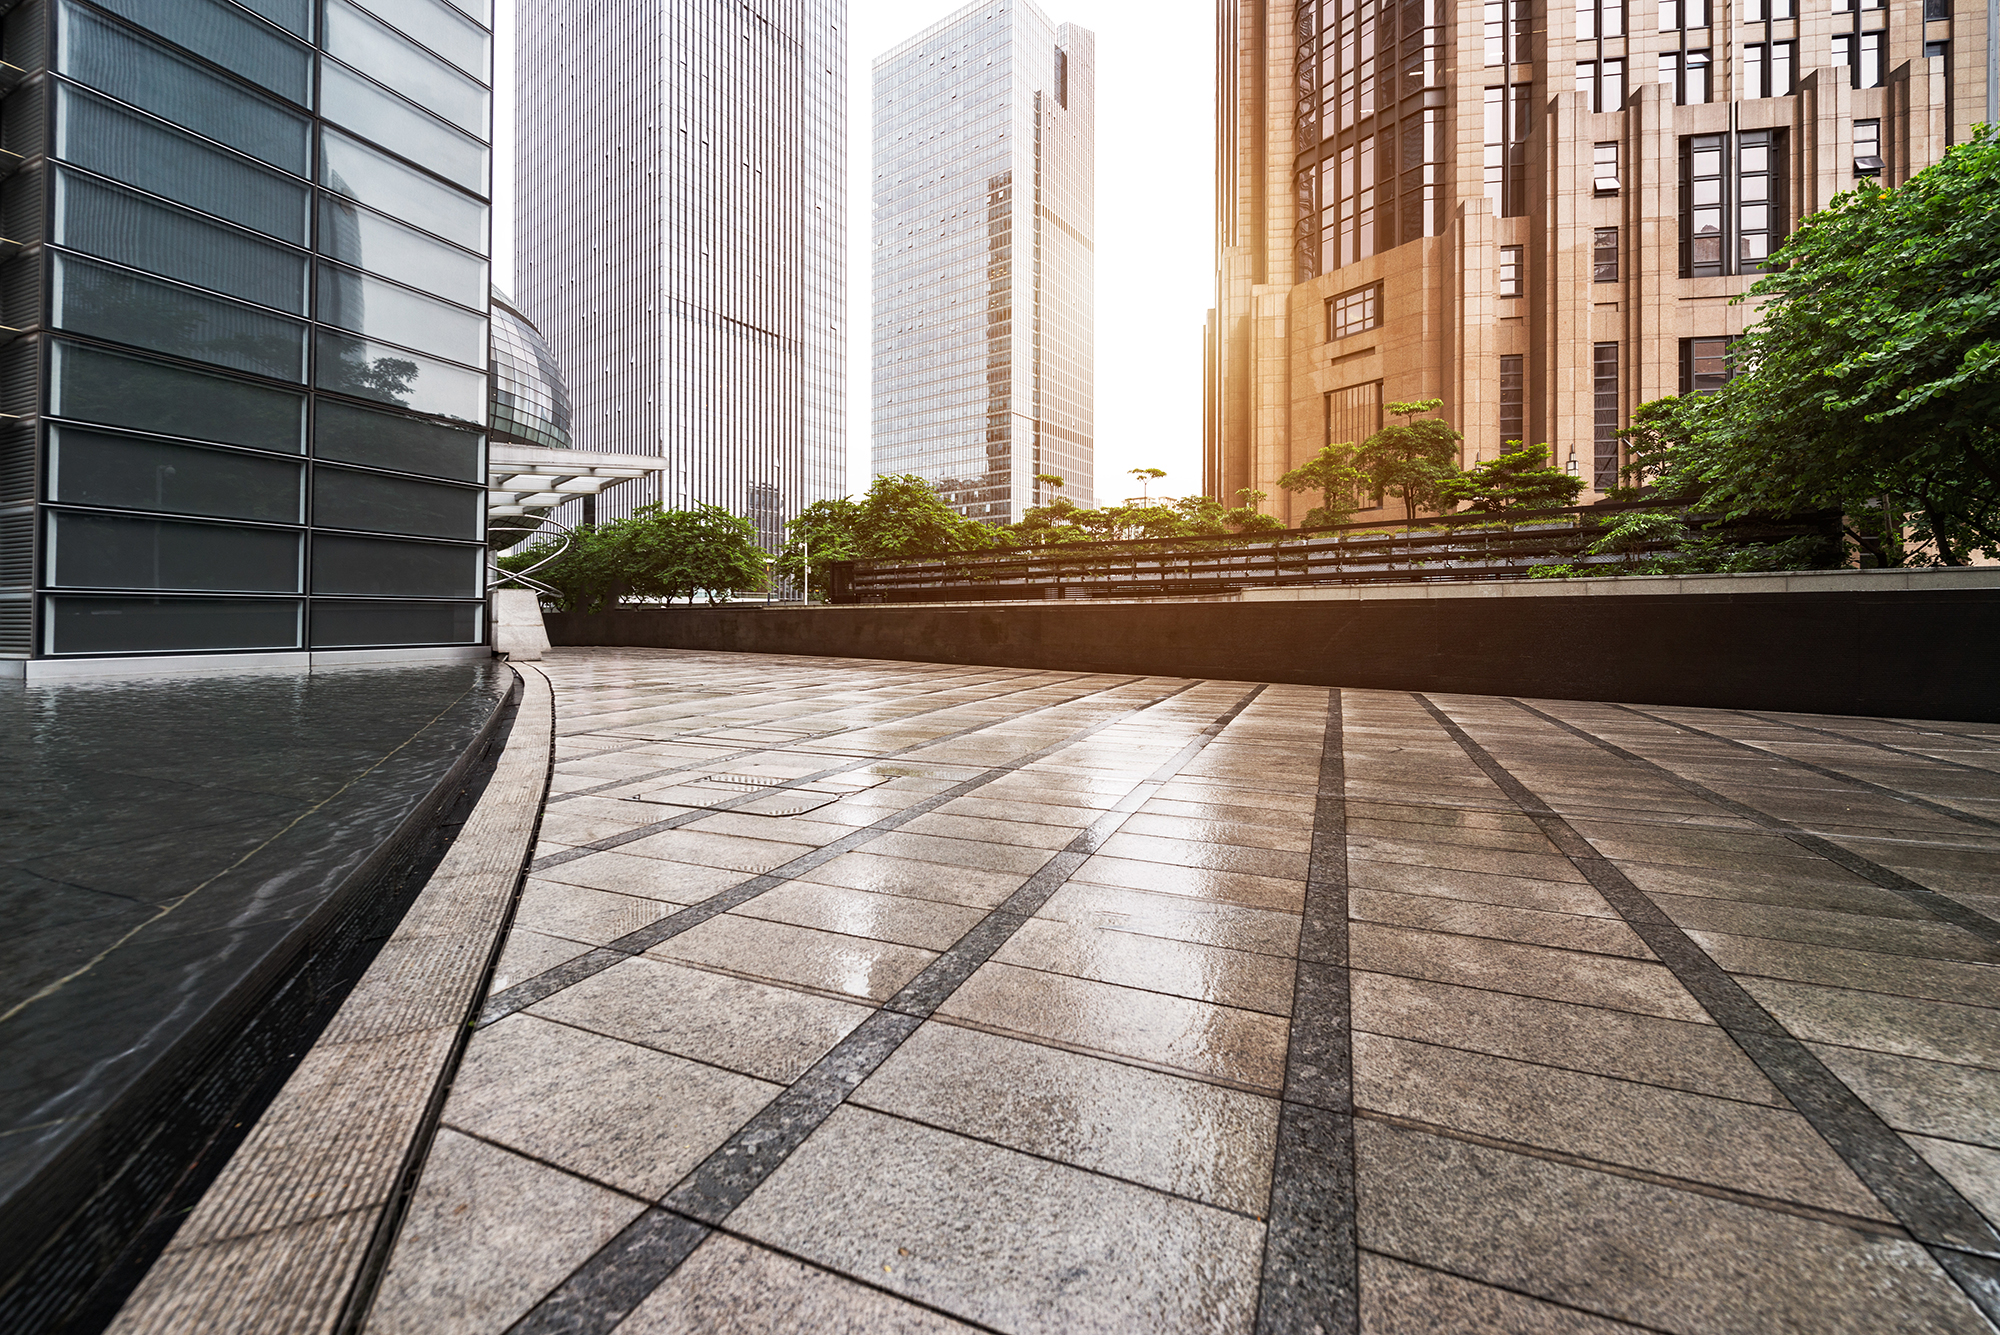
1450 548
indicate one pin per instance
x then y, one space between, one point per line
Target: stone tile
593 917
1671 1053
807 829
772 1033
925 924
1017 833
736 1286
1439 853
1973 1169
1228 887
1295 837
487 1234
800 956
1020 809
961 852
1242 1047
874 872
1203 972
1467 835
1898 936
1863 970
1752 1148
527 954
1478 887
1268 862
1631 1250
1400 1299
1929 1098
1174 917
1934 1030
649 878
1182 1136
1597 935
1535 971
1047 1248
731 851
627 1116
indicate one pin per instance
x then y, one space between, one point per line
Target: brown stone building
1536 211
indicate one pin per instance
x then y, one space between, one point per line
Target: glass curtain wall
258 324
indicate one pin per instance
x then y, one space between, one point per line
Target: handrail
498 576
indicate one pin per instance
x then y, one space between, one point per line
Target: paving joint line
1310 1282
547 983
622 1274
1940 906
1591 1316
1959 1238
619 840
1863 741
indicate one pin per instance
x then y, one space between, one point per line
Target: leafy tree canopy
1337 474
1413 459
899 516
1520 479
1871 380
654 554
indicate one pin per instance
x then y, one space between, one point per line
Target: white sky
1155 219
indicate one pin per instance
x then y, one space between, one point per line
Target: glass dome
530 398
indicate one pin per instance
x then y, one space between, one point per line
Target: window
1767 69
1513 401
1354 312
1686 73
1353 414
1868 148
111 471
1604 168
1604 415
1936 11
1705 364
1599 18
1506 161
1760 11
1513 272
1604 255
1937 50
1602 84
1678 14
1868 72
121 306
96 385
1733 212
1507 32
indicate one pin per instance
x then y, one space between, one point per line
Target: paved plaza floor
864 996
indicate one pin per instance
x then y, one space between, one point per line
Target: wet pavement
852 995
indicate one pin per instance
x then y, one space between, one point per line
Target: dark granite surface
165 844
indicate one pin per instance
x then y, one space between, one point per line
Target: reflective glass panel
344 498
390 375
383 310
370 241
361 173
106 138
134 473
171 625
124 307
441 29
349 100
224 34
384 440
132 229
294 16
371 48
352 625
113 552
114 61
96 385
384 568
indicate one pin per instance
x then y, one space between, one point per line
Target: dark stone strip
711 761
1852 740
1838 776
544 985
1311 1282
725 1179
605 1289
624 837
1942 907
1936 730
1955 1233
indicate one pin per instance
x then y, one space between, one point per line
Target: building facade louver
245 297
984 193
1538 214
681 241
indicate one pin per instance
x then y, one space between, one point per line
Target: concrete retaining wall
1915 644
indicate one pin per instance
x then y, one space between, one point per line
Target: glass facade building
984 194
530 397
681 241
245 299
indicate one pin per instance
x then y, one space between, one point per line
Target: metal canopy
520 478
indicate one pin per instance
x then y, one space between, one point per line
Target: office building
984 194
245 302
681 241
1539 216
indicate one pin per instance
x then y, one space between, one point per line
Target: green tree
899 516
1337 475
1871 380
653 554
1147 477
1414 459
1520 479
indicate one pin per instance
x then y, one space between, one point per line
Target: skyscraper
985 202
1538 216
245 295
681 240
